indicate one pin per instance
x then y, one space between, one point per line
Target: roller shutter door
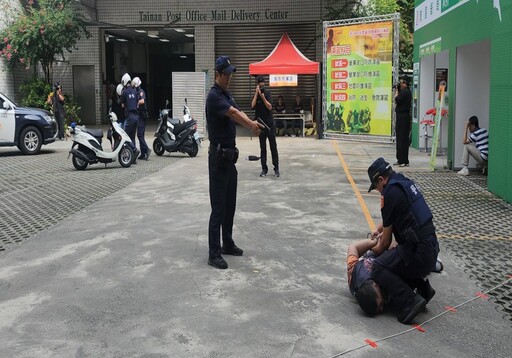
248 44
192 86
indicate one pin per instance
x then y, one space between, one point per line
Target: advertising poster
359 78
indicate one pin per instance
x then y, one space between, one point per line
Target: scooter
173 135
90 151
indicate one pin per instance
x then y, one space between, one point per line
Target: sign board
359 78
283 80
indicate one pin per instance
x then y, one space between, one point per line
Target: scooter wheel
78 163
126 156
158 147
195 149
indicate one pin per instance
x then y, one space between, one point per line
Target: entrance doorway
152 55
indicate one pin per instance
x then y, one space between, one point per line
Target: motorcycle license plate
196 137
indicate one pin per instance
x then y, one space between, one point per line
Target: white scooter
90 151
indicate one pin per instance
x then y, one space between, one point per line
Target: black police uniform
222 156
400 270
130 99
141 127
265 114
403 124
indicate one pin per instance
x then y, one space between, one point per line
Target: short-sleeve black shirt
260 109
221 128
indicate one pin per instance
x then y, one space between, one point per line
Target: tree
343 9
406 10
43 31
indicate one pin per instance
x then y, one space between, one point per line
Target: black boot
411 308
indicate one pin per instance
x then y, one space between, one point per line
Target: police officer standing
406 215
221 114
129 101
262 105
143 117
403 100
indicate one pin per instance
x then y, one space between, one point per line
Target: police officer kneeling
406 215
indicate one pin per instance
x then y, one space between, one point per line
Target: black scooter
175 136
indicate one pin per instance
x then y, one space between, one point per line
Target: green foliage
42 32
343 9
406 10
35 94
72 110
382 7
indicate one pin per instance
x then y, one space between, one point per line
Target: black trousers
403 130
401 269
59 117
141 131
223 187
271 135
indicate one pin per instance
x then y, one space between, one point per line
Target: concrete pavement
128 275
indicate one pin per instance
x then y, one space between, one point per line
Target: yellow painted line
364 208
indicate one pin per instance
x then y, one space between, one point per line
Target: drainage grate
474 225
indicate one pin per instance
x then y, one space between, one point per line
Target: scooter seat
180 127
96 133
174 121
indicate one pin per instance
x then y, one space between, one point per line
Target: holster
224 156
229 155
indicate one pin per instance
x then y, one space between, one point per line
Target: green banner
447 4
431 48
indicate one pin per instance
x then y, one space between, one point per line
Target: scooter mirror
112 116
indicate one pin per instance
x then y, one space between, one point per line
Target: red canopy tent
285 58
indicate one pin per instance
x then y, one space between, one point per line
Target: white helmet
125 80
136 82
119 89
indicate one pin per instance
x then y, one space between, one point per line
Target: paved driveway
121 270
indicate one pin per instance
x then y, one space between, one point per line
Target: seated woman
280 107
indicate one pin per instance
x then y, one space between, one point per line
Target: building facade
468 44
153 39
